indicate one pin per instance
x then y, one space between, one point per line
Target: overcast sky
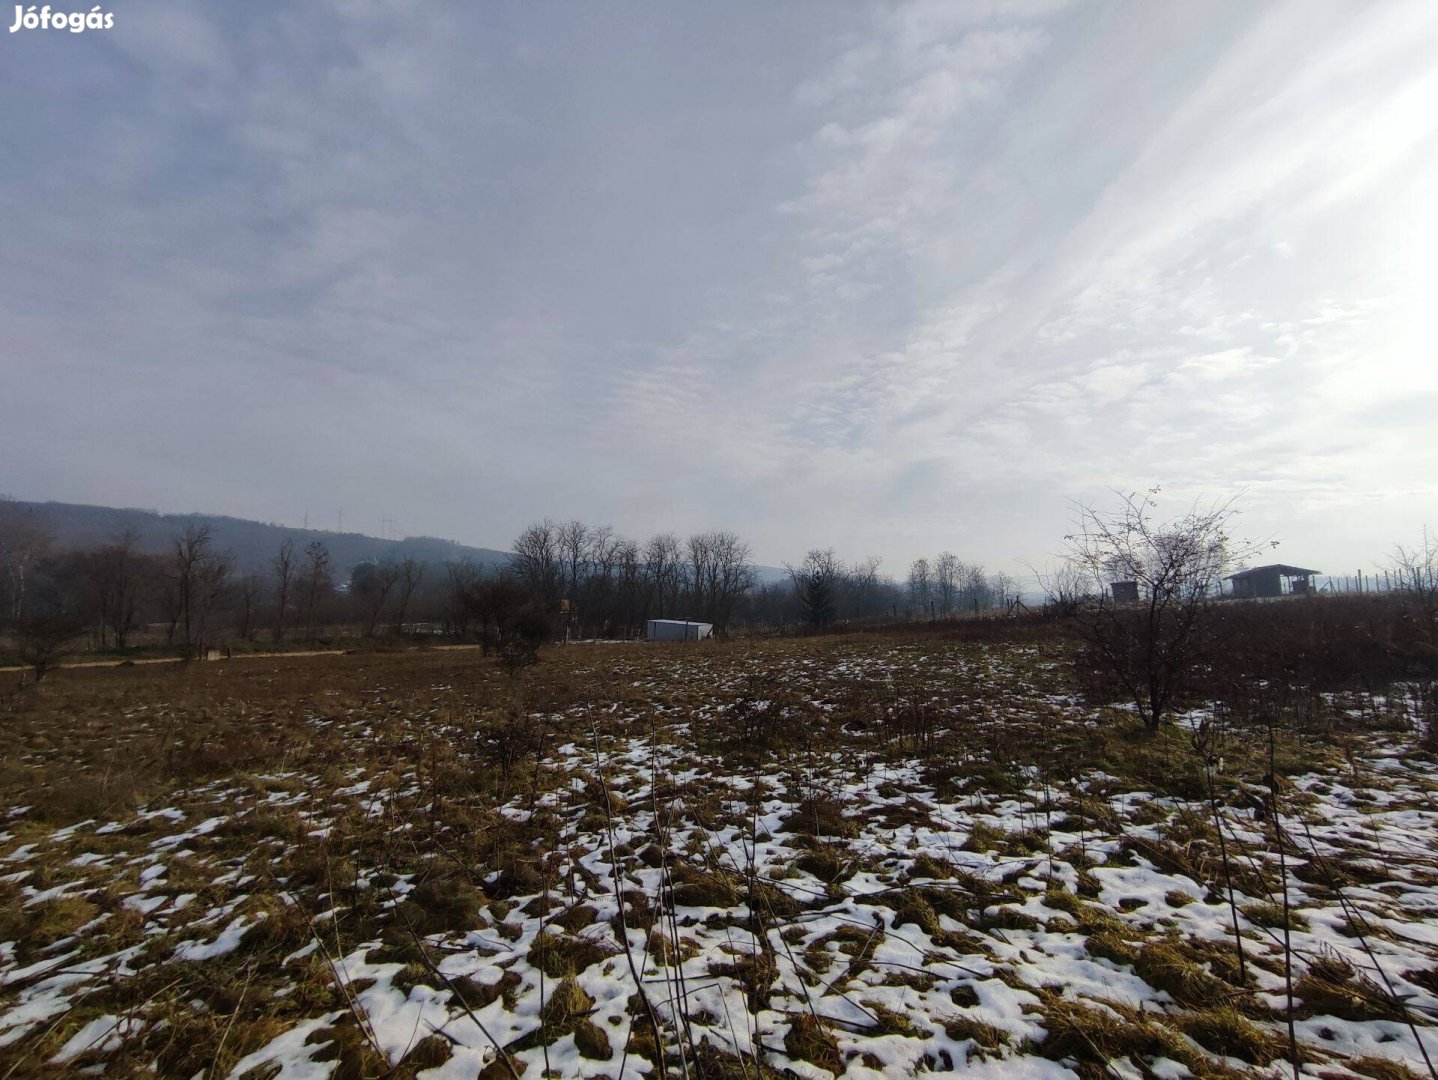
891 278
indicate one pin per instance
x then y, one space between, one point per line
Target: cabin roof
1282 568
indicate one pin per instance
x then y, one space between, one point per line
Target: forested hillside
253 543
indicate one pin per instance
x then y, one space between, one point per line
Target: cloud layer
891 278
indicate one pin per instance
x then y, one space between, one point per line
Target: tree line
604 584
561 579
191 596
823 590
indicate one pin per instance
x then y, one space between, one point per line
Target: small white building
677 630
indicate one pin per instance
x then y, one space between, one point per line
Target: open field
866 856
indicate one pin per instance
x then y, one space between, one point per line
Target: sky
892 278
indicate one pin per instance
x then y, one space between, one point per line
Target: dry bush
1329 642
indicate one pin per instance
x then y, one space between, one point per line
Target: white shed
677 630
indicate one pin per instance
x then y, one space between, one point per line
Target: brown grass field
854 855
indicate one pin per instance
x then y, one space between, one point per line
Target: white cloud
894 278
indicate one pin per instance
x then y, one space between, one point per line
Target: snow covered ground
852 858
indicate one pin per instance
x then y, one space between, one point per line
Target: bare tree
1005 589
284 568
370 585
190 551
461 576
104 583
630 584
920 587
187 549
537 561
120 584
572 540
1066 588
1415 572
721 574
248 593
316 584
1152 646
197 582
45 612
974 592
866 587
24 540
696 555
171 606
411 571
665 572
211 589
601 561
946 581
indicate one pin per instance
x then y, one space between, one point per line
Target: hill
253 543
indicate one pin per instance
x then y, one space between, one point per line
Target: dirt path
235 656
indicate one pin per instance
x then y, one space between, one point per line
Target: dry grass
396 802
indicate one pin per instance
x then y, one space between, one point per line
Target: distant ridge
253 543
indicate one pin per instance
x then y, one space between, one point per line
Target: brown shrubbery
1293 647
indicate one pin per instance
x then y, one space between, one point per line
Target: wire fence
1360 581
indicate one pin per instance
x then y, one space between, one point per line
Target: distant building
1275 580
677 630
1124 592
